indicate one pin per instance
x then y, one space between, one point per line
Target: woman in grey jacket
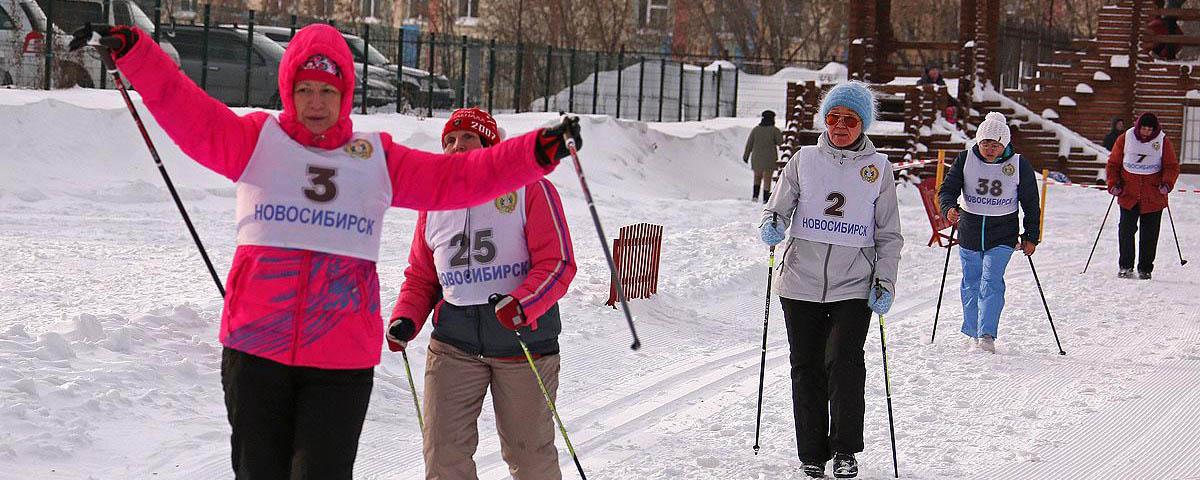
836 207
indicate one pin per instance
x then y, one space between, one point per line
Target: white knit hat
994 127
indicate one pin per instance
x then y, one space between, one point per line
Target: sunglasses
833 119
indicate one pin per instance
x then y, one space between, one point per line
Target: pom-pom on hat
322 69
856 96
994 127
474 120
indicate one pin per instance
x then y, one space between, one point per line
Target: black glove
550 145
400 332
118 39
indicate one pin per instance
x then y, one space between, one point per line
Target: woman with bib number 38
836 207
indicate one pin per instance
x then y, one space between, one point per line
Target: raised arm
204 128
432 181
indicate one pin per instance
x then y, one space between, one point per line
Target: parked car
224 74
415 85
381 84
226 67
22 56
22 34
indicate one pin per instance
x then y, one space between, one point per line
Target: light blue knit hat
856 96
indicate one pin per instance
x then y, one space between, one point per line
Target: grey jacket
822 272
762 147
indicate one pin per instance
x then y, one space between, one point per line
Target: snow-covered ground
109 364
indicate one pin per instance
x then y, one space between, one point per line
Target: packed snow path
109 364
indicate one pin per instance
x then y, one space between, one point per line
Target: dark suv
226 68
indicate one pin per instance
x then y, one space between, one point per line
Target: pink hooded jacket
302 307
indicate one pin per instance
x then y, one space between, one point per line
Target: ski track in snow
109 363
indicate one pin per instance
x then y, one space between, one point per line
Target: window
1191 134
70 15
6 21
654 14
222 47
468 8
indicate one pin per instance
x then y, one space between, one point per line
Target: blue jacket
980 233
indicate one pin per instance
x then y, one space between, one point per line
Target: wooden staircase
1111 76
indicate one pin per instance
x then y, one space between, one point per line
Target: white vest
1143 158
330 201
990 189
837 203
480 250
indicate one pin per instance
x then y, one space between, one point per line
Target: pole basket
941 225
636 254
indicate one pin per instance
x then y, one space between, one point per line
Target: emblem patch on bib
360 148
1009 170
507 203
869 173
1157 146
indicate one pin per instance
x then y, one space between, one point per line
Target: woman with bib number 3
836 207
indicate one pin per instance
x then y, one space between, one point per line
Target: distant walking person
762 153
1142 170
1118 129
994 182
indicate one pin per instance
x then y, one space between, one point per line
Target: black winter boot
844 465
766 196
813 469
755 197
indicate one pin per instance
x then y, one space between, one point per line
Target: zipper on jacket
301 297
983 233
825 287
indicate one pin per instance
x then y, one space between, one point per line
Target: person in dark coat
1118 129
762 153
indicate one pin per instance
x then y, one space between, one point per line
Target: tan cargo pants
455 385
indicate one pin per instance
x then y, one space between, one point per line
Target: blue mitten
772 233
880 299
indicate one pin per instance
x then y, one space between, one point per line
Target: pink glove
1164 188
1115 190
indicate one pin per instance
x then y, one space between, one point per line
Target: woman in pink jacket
301 324
486 272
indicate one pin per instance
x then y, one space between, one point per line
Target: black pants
293 423
1150 223
828 374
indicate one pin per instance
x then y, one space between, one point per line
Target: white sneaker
987 344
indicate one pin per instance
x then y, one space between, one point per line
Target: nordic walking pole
1044 304
887 385
1097 242
938 311
413 388
1182 262
106 57
550 403
762 367
612 267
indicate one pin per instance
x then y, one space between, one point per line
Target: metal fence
234 55
1023 46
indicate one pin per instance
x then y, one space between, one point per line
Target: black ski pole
1097 242
612 267
1044 304
938 311
106 57
887 385
1182 262
762 367
550 403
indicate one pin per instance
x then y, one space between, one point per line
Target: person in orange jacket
1141 172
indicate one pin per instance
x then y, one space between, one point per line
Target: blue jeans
983 289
